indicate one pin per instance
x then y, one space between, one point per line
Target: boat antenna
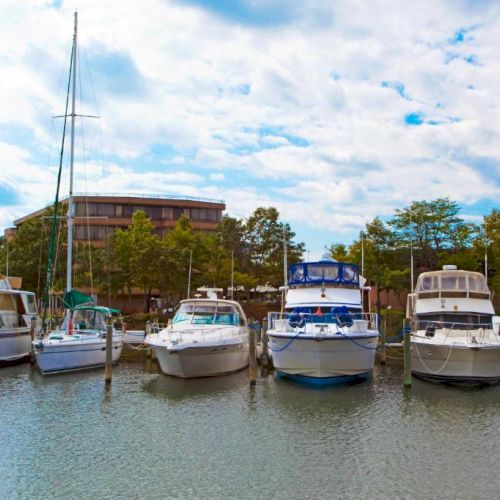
362 253
411 258
285 257
189 274
485 262
232 274
7 259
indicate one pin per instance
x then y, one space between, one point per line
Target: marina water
152 436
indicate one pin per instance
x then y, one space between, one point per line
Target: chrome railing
474 333
188 335
351 322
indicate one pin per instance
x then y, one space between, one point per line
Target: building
97 216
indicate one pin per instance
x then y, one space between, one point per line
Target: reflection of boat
206 337
80 342
178 389
17 310
452 332
323 336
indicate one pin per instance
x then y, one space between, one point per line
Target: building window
167 213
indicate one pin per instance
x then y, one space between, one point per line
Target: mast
70 216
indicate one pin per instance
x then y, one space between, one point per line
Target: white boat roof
333 296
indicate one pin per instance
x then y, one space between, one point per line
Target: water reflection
178 389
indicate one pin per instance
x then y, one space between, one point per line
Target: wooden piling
383 340
108 367
407 354
264 357
32 333
252 362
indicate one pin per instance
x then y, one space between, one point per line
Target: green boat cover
75 298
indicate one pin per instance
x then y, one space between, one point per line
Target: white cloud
206 86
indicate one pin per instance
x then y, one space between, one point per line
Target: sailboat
80 341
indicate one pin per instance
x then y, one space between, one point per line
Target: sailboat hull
57 358
15 345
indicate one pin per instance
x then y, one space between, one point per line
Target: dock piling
407 354
108 370
252 364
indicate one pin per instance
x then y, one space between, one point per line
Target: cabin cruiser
322 335
206 337
80 342
17 311
453 337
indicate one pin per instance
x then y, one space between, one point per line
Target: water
151 436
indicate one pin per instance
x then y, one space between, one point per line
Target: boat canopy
74 298
323 272
452 281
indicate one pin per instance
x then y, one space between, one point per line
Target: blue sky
333 112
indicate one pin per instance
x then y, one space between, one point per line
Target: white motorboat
322 335
17 311
80 342
453 336
206 337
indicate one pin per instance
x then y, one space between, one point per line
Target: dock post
264 357
252 364
108 370
32 333
407 355
383 340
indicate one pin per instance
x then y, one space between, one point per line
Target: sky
333 112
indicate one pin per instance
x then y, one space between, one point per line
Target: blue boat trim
322 381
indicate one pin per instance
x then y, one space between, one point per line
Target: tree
138 252
432 227
264 235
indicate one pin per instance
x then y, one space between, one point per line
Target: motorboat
322 335
453 337
80 342
17 311
206 337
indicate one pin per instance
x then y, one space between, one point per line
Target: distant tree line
438 236
139 258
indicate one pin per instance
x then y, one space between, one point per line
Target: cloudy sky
332 111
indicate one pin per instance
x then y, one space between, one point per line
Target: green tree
138 252
264 235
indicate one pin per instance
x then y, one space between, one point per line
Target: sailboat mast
70 216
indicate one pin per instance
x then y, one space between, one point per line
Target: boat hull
202 361
477 364
331 359
57 358
15 345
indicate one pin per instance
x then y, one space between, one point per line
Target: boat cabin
452 283
93 318
209 312
324 272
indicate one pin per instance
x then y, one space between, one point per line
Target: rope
286 345
354 341
433 372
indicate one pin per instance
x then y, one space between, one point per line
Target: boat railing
194 334
479 333
355 322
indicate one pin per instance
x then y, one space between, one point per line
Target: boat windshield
198 313
456 321
87 319
462 282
